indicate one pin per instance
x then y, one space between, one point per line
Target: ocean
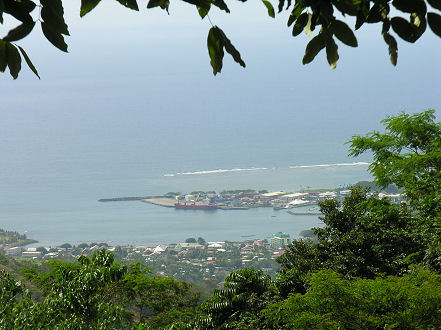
63 151
53 176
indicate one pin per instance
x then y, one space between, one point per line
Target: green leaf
308 26
29 62
346 7
393 48
131 4
300 24
19 32
361 18
87 6
230 48
420 23
52 14
434 21
216 42
221 5
410 6
202 11
163 4
18 10
404 29
270 8
313 48
280 6
28 5
386 26
326 10
205 4
332 53
298 9
344 33
215 50
378 13
435 4
14 60
3 56
54 38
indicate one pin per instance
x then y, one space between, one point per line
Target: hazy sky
152 65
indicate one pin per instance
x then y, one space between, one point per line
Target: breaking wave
220 171
262 169
331 165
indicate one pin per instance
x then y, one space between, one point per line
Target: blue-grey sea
57 163
134 109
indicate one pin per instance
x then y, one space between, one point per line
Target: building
280 240
13 251
189 246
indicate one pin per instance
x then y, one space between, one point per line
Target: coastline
160 201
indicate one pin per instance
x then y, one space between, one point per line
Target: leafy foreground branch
305 15
374 265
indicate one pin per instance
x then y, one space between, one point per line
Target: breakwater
126 199
304 213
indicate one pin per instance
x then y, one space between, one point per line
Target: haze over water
52 179
134 103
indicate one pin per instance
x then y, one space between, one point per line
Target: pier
161 201
304 213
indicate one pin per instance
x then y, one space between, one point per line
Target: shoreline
160 201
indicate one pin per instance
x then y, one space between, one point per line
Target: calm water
56 163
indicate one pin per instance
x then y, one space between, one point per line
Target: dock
304 213
161 201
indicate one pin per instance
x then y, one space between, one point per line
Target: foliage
98 292
363 237
66 246
163 300
366 236
201 241
236 305
331 302
14 238
409 155
305 15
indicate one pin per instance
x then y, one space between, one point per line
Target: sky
154 68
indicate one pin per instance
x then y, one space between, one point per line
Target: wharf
161 201
304 213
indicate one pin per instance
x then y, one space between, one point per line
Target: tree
42 249
66 246
78 296
408 154
305 15
190 240
236 305
362 237
331 302
162 300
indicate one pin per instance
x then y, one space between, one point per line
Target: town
205 264
248 198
